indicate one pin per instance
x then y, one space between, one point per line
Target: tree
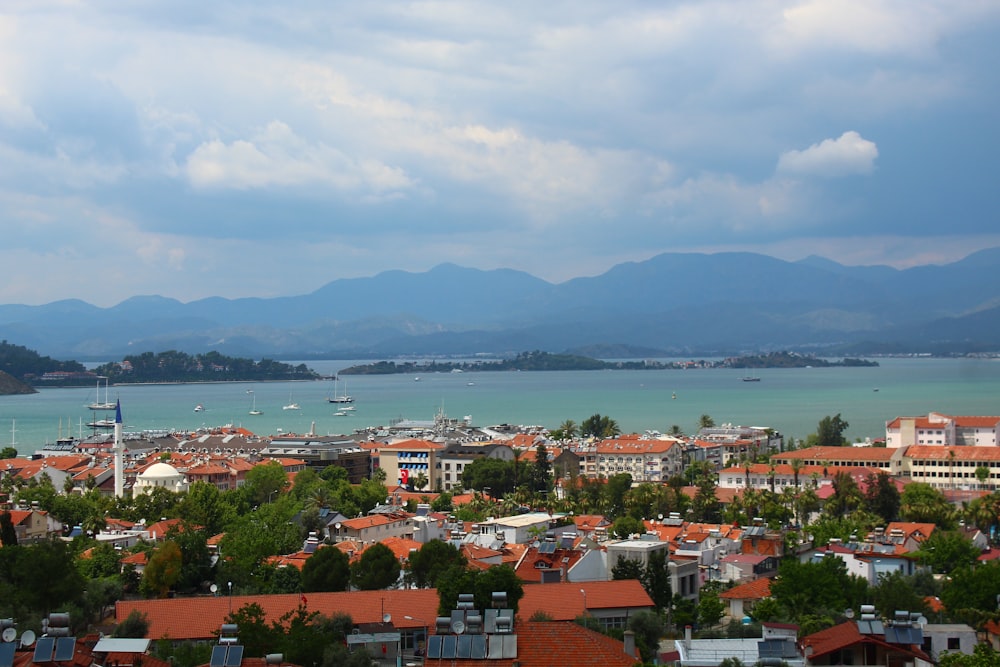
881 496
431 561
481 584
376 569
922 503
983 655
327 570
624 526
946 550
648 628
488 473
846 497
8 535
972 589
824 587
830 432
541 471
599 426
710 608
706 421
162 571
264 481
896 591
135 626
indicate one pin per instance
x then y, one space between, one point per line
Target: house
454 457
34 525
776 645
373 527
684 575
741 599
415 457
868 642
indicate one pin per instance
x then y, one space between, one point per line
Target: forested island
27 369
173 366
544 361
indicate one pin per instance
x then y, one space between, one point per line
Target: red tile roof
758 589
200 617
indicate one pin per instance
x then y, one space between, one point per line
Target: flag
118 411
304 601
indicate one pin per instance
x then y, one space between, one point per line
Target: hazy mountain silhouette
672 303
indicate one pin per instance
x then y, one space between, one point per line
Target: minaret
119 453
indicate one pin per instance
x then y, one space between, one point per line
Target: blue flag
118 411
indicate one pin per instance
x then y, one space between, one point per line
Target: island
545 361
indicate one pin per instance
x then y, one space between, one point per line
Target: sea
791 401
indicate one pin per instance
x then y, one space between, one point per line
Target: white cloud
848 154
277 157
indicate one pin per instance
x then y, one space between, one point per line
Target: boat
349 408
199 408
416 379
253 403
673 396
751 378
102 423
106 404
340 398
342 413
292 405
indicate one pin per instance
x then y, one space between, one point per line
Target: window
954 644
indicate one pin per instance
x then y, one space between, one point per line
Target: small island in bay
545 361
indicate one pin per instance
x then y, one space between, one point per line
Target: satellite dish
337 525
28 638
9 634
458 627
386 617
214 588
922 621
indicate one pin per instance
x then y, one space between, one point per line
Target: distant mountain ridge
673 303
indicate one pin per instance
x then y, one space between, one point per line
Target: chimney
630 643
687 637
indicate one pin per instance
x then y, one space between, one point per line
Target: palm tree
796 467
569 429
420 481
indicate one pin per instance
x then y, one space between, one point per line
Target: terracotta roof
860 454
847 634
412 445
542 644
950 453
758 589
200 617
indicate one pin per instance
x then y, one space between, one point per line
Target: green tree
8 535
376 569
328 569
135 626
846 498
163 570
946 550
706 421
983 655
431 561
264 481
824 587
710 608
922 503
488 473
830 432
881 496
598 426
648 629
624 526
481 584
541 470
895 591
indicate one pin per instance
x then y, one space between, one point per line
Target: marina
791 401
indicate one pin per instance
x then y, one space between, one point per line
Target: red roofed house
740 599
846 644
373 528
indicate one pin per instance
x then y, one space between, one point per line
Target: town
441 540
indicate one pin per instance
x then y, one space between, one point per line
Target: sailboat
292 405
340 398
253 403
98 404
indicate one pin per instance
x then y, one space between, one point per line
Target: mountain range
672 304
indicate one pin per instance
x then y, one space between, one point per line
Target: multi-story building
405 460
948 467
938 429
645 459
452 460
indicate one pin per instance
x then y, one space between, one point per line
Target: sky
240 148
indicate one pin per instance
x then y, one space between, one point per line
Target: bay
792 401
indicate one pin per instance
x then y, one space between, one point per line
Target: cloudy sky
243 148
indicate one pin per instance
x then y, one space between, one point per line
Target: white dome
160 471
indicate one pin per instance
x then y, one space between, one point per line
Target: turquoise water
789 400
